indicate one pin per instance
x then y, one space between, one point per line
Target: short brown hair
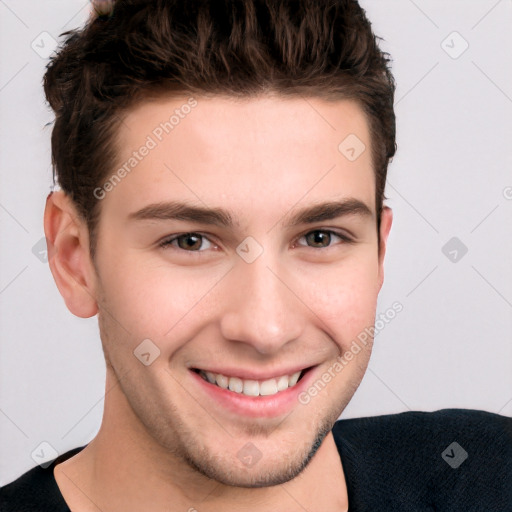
318 48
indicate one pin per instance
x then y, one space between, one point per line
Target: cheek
151 298
344 298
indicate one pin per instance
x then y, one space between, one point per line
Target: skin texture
300 303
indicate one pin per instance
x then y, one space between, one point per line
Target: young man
222 170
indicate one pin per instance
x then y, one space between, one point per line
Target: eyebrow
176 210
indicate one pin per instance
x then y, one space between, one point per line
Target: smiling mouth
249 387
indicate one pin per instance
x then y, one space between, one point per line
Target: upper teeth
251 387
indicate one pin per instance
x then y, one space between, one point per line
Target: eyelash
166 243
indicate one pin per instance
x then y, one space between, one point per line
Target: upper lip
246 373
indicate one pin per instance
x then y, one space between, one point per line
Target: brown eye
321 238
190 242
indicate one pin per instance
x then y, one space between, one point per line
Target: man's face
257 299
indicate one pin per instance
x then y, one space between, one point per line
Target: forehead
260 151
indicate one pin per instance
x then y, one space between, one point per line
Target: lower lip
255 406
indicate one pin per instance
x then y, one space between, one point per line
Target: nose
262 308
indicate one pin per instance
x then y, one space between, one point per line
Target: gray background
452 177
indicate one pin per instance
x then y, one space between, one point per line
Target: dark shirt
451 460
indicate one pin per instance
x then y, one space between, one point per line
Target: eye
190 242
321 238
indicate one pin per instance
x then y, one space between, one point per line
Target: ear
386 219
67 239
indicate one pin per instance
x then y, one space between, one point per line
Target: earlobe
386 220
68 255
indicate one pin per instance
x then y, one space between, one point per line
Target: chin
262 471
